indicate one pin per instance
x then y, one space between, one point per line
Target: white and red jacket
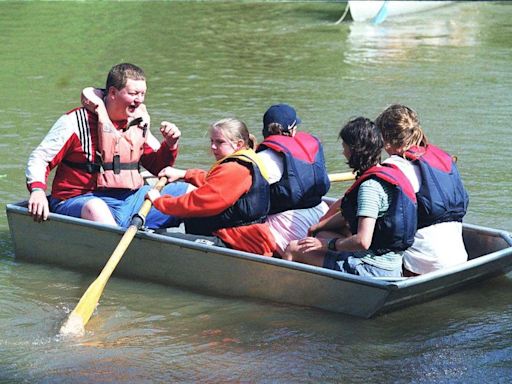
73 139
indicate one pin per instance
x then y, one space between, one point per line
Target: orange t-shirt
217 191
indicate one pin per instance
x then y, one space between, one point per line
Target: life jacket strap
87 167
117 166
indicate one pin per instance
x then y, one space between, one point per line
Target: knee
190 188
290 250
97 210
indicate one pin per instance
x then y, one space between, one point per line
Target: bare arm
358 242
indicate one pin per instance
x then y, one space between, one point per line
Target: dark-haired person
442 198
297 175
379 208
89 185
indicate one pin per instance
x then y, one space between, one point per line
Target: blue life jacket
395 230
252 207
305 179
442 196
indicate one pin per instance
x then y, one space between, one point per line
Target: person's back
303 180
438 242
297 175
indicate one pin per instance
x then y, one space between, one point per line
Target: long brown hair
400 127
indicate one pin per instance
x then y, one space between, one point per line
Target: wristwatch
331 245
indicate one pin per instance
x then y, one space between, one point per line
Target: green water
209 60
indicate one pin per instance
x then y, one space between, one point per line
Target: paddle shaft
343 176
333 177
85 307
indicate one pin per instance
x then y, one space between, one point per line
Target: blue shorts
348 263
123 204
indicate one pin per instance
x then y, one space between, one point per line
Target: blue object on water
382 14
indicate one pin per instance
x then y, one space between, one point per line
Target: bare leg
97 210
292 253
190 188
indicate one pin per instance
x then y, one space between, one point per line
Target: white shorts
294 224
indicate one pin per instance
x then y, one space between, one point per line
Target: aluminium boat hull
86 246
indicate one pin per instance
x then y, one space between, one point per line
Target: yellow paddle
78 318
343 176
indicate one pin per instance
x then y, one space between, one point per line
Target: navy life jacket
252 207
395 230
442 196
305 179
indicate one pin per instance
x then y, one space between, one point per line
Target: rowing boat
85 246
377 11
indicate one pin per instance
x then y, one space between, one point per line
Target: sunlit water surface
208 60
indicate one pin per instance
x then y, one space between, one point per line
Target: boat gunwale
469 264
143 234
389 284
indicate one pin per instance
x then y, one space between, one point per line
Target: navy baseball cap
282 114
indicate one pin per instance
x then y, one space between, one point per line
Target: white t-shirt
273 163
293 224
436 246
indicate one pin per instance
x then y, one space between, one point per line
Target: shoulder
232 166
77 112
399 161
305 135
78 118
376 191
65 124
408 168
373 186
371 198
273 163
270 157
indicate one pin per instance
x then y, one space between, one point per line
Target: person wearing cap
297 175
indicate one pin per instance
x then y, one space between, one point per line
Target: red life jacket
304 180
120 152
396 229
442 196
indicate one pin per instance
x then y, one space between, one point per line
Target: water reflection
209 59
397 39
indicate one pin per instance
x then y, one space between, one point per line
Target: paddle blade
78 318
75 323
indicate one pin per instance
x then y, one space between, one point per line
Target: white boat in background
378 11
